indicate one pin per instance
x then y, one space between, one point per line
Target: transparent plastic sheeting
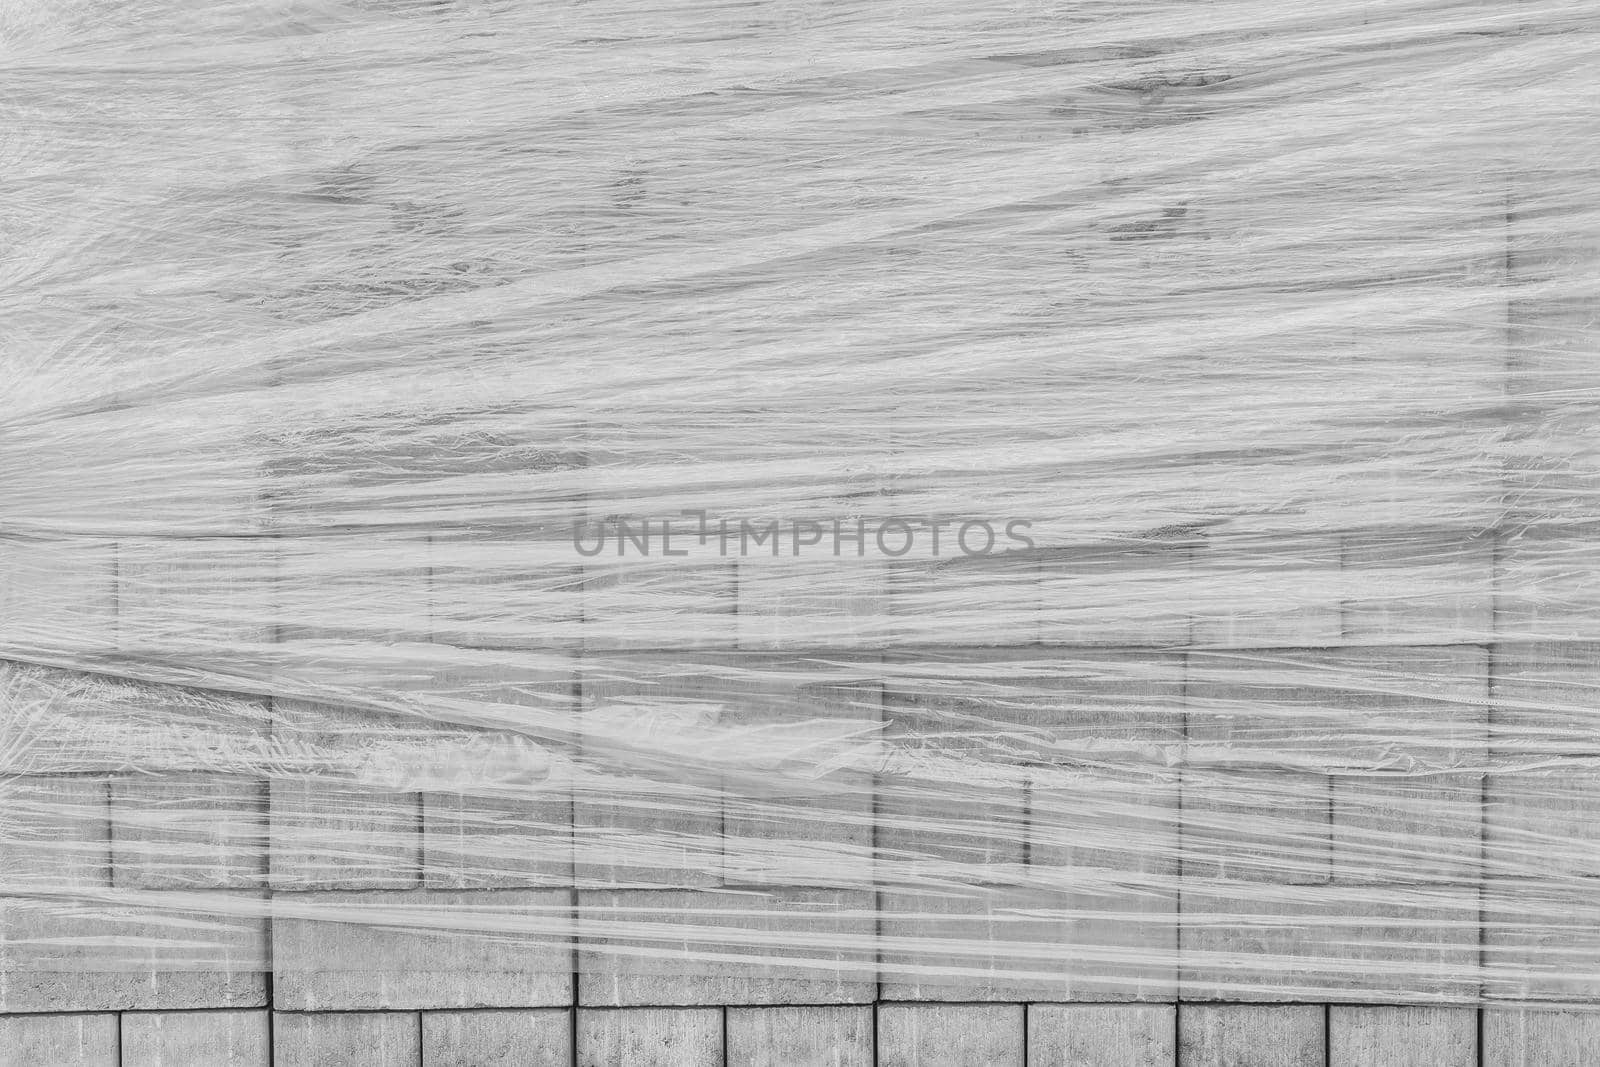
995 500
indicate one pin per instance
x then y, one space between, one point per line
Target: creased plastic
799 502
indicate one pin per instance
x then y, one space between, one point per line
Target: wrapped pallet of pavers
799 532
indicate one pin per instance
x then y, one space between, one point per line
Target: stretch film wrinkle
793 503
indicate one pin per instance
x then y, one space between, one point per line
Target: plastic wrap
798 502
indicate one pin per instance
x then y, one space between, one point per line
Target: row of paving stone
885 1035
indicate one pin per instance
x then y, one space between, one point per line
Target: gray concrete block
939 819
504 589
1103 789
988 601
1552 316
1540 808
56 836
325 836
1280 592
1012 944
658 603
201 951
422 949
1257 826
797 800
813 1036
1362 944
347 592
338 1039
647 806
996 759
58 595
745 768
1541 940
1356 748
647 832
189 1038
1102 1035
497 807
1540 1037
188 832
1254 808
1252 1035
338 823
650 1037
67 722
1402 1036
780 839
473 841
218 594
789 603
538 1038
1409 808
1088 821
1407 829
195 817
1398 707
659 947
59 1041
1541 595
1136 595
64 946
947 1035
1418 586
930 945
1543 823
